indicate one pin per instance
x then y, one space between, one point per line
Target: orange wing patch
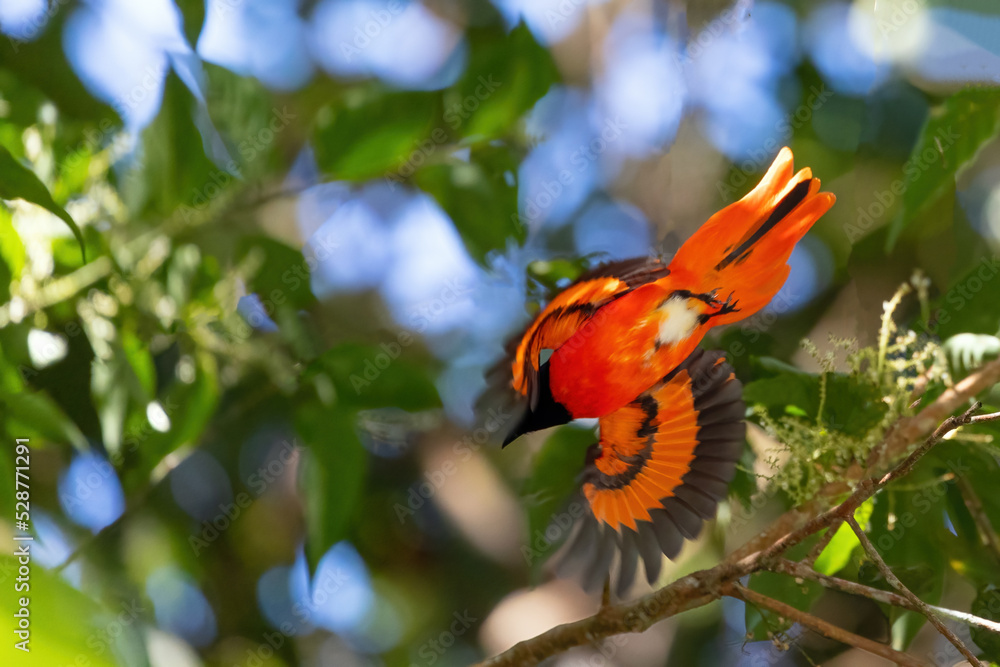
663 464
562 318
646 447
573 307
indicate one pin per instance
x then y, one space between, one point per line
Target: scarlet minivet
623 343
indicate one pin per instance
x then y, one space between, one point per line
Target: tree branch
761 551
898 439
802 571
921 606
823 627
822 543
975 506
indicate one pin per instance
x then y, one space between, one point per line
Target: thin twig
801 571
922 606
823 627
864 490
58 290
949 424
982 419
983 523
897 440
823 542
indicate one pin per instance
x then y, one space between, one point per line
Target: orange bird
620 343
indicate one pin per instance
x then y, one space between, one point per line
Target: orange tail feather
744 248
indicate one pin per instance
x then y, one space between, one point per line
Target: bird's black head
543 411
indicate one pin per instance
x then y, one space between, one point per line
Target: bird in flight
620 345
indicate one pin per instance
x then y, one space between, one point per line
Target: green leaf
19 182
41 63
127 379
907 529
852 405
193 15
975 471
987 605
780 587
282 276
787 389
11 254
140 360
376 131
951 138
480 196
837 553
968 351
333 475
175 176
743 487
62 621
189 407
553 479
969 306
370 376
37 416
507 74
109 389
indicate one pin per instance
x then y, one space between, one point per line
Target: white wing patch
678 320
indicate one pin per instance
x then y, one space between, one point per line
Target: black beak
547 413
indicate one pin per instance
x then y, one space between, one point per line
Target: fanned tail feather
742 251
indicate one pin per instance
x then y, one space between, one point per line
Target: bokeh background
310 226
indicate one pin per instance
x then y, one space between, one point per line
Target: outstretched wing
663 464
566 314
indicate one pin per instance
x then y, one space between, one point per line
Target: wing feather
664 462
570 310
